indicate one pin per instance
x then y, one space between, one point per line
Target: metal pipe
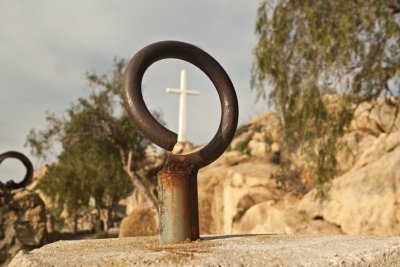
177 192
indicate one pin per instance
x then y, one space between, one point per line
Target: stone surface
381 147
225 194
244 199
374 129
229 158
33 186
365 200
22 222
133 201
269 125
259 148
281 217
140 222
251 250
257 137
377 116
355 143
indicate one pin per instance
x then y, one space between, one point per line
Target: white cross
183 91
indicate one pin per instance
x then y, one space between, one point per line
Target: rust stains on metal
177 192
177 181
177 166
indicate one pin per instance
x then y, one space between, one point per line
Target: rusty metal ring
156 132
26 162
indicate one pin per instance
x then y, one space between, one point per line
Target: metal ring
151 128
28 165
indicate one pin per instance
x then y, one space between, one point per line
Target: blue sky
46 47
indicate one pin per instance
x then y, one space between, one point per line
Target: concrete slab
243 250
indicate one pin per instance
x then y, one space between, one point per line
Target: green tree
102 153
89 169
311 52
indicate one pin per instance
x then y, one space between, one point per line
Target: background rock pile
22 222
240 192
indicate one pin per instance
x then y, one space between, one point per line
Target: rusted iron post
29 170
177 193
177 181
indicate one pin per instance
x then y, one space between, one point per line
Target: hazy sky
46 46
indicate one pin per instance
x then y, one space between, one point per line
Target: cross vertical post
183 91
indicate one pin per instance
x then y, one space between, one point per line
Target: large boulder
227 192
365 200
38 175
354 144
140 222
22 222
281 217
370 133
133 201
260 137
238 194
377 116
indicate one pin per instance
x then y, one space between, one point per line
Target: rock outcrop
225 194
140 222
365 200
22 222
373 122
282 217
241 192
245 199
260 138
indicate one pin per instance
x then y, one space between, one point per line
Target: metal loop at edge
151 128
26 162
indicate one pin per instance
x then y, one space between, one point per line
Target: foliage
102 152
243 147
89 168
320 59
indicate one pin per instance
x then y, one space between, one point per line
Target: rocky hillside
240 194
22 223
365 198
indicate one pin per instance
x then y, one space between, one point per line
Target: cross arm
180 91
192 92
174 90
